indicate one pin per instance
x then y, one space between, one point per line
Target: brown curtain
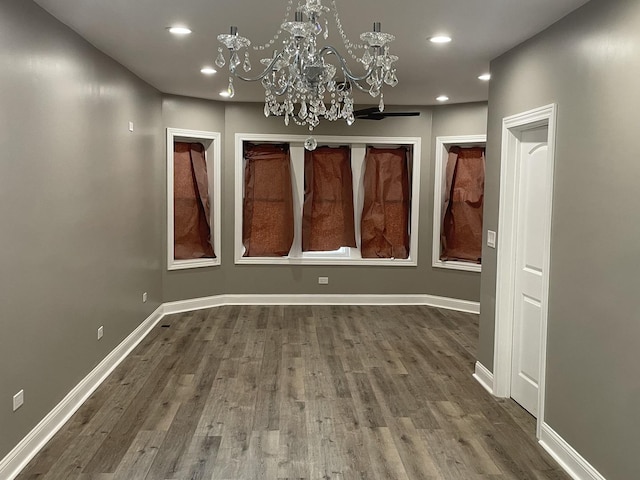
191 229
385 215
267 220
464 196
327 220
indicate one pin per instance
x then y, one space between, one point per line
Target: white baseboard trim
484 377
17 459
563 453
231 299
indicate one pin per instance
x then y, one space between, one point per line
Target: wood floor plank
383 454
368 409
140 455
199 460
293 453
413 451
128 425
263 455
299 392
184 424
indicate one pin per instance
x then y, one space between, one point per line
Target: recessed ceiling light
442 98
224 93
485 77
179 30
208 70
440 39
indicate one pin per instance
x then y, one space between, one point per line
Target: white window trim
211 142
442 154
358 145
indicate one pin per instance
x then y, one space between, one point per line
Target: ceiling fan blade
400 114
366 111
367 114
371 116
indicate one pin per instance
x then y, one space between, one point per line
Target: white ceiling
134 33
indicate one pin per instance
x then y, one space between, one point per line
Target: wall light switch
131 126
144 297
323 280
18 400
491 238
100 332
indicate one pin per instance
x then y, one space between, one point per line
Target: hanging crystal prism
381 104
303 110
230 90
234 61
394 79
246 65
366 58
266 109
326 29
220 62
310 144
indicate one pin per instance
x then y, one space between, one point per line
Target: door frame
512 127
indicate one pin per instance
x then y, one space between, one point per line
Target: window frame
358 146
212 145
443 143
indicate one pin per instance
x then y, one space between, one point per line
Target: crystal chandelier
305 82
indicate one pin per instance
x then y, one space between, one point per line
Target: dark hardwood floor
299 392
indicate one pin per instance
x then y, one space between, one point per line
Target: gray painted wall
264 279
80 206
588 64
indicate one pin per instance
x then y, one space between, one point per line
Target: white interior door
530 245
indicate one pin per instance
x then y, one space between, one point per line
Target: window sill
458 265
195 263
378 262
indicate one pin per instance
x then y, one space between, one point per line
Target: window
458 195
385 216
329 195
267 213
327 216
193 199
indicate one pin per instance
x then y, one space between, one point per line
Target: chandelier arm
358 86
268 69
343 65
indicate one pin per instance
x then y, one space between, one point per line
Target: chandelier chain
276 36
348 44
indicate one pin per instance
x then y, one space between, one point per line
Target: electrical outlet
144 297
100 332
323 280
18 400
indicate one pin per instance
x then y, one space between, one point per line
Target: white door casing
512 131
525 365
